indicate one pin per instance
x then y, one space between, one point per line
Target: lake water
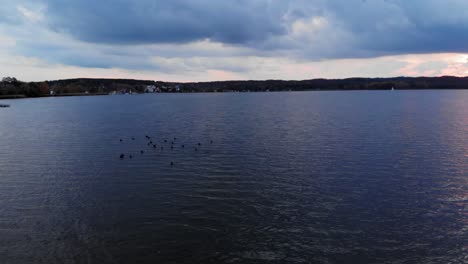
313 177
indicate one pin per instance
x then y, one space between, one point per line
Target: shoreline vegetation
11 88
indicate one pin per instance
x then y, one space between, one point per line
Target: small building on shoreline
151 89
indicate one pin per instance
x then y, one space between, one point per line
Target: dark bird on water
175 138
122 156
165 140
199 144
211 141
133 138
172 163
121 140
154 146
130 156
183 146
142 152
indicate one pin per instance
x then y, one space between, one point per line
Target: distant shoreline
13 88
15 97
22 96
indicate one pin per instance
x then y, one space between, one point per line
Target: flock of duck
172 144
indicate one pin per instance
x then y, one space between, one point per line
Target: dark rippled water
318 177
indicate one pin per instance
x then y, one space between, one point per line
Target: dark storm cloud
130 34
373 27
174 21
402 26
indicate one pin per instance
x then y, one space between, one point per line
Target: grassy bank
22 96
12 96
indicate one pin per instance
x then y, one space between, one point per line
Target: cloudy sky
203 40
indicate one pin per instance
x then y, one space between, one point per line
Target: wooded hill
11 87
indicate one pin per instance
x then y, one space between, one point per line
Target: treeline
98 85
402 83
11 87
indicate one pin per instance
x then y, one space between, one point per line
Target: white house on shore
150 89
